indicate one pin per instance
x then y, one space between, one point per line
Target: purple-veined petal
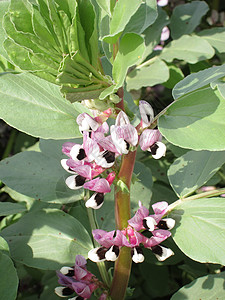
91 147
66 148
80 272
147 113
99 185
127 132
80 261
64 280
104 128
87 123
105 142
103 237
84 171
158 237
137 221
122 119
148 138
82 289
160 207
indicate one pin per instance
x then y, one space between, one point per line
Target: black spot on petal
157 250
154 149
101 252
81 155
116 250
127 145
109 156
67 291
79 180
162 225
99 198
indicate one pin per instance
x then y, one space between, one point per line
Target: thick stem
122 215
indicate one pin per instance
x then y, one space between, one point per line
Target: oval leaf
197 80
41 110
196 121
47 239
9 279
38 176
200 229
198 49
156 73
187 17
209 287
193 169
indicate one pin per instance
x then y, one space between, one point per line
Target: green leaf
130 52
47 239
41 111
4 248
9 279
105 5
220 85
187 17
209 287
152 34
175 76
143 18
188 48
38 176
200 229
155 73
197 80
3 8
8 208
193 169
122 13
215 36
196 121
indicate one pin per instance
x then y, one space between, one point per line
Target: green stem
122 215
10 143
197 196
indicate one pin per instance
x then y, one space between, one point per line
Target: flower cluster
133 236
100 149
77 280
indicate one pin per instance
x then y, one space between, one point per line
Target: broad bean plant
112 179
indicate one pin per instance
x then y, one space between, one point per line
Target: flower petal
106 159
91 147
158 150
87 123
75 182
66 148
65 166
63 291
148 138
137 255
113 253
122 119
97 254
162 253
77 152
99 185
147 113
96 201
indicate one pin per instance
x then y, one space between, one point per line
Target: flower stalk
122 215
